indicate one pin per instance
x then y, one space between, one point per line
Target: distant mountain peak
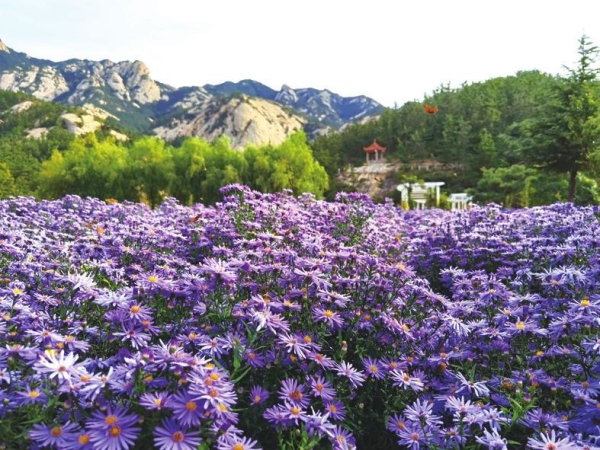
127 91
3 47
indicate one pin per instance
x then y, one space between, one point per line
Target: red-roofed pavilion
374 151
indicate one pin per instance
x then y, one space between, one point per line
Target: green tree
189 165
509 186
88 168
7 182
150 166
565 137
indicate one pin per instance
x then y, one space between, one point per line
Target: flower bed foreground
270 322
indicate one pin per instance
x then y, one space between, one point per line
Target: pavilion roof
374 147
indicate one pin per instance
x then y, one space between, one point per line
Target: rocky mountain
318 106
246 120
127 92
33 118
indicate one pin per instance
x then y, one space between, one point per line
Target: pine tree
566 137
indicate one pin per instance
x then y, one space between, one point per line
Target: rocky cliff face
245 120
126 92
320 107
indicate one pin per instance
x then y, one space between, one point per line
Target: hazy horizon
392 53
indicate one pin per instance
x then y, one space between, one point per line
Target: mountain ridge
127 91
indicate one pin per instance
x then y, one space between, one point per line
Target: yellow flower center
56 431
520 325
257 399
34 394
374 369
295 410
191 406
296 395
585 302
84 439
111 420
152 279
115 431
178 436
17 291
307 339
135 309
400 425
333 408
329 313
238 447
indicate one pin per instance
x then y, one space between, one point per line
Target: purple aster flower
58 435
294 345
254 359
354 376
373 368
396 423
156 401
412 436
233 442
317 423
113 430
335 409
405 381
277 415
321 388
550 442
492 440
341 438
258 395
322 360
477 388
82 441
61 367
422 412
31 396
172 436
460 405
293 392
331 318
186 408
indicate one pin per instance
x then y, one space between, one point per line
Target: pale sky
390 50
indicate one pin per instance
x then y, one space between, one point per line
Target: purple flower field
273 322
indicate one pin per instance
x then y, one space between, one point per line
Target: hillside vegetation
481 139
